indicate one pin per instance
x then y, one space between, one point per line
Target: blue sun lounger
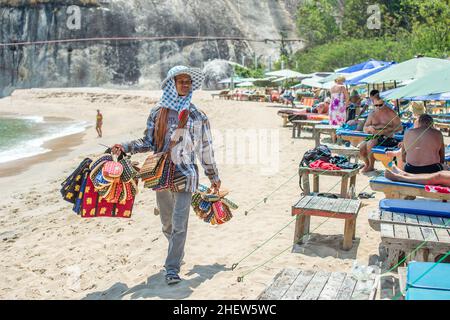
356 137
428 281
400 190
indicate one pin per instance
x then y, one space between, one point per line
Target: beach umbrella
286 73
228 80
366 65
361 79
315 82
434 82
445 96
407 70
245 84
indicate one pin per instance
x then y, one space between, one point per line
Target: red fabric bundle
319 164
94 206
437 189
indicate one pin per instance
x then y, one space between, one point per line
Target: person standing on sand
99 123
339 102
195 140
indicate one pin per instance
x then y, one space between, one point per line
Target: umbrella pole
398 103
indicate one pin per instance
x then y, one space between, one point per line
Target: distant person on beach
192 140
382 123
99 123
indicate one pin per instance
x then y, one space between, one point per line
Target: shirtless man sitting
382 122
423 148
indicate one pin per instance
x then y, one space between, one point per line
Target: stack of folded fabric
212 208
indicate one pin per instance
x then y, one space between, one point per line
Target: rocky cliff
67 61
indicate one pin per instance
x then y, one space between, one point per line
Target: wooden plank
328 204
437 221
387 230
298 287
331 289
303 202
319 203
346 290
386 216
442 235
313 202
343 207
281 283
424 220
353 207
411 219
428 234
363 289
400 231
398 217
415 233
316 285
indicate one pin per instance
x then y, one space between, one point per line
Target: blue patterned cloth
172 100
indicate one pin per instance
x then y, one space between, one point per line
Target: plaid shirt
197 141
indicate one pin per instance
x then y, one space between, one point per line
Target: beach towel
437 189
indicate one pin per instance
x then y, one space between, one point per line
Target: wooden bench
419 237
350 152
309 206
297 125
296 284
327 129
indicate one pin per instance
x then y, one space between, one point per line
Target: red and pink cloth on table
437 189
320 164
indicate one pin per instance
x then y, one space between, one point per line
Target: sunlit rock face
144 60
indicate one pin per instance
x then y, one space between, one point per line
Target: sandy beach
48 252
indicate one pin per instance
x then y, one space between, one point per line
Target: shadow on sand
156 287
319 245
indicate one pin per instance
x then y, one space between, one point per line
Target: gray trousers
174 212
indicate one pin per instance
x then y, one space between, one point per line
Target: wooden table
345 175
298 124
327 129
297 284
309 206
345 151
419 237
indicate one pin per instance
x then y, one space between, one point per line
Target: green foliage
249 73
408 28
316 23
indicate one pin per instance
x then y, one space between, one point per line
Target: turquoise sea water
22 137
